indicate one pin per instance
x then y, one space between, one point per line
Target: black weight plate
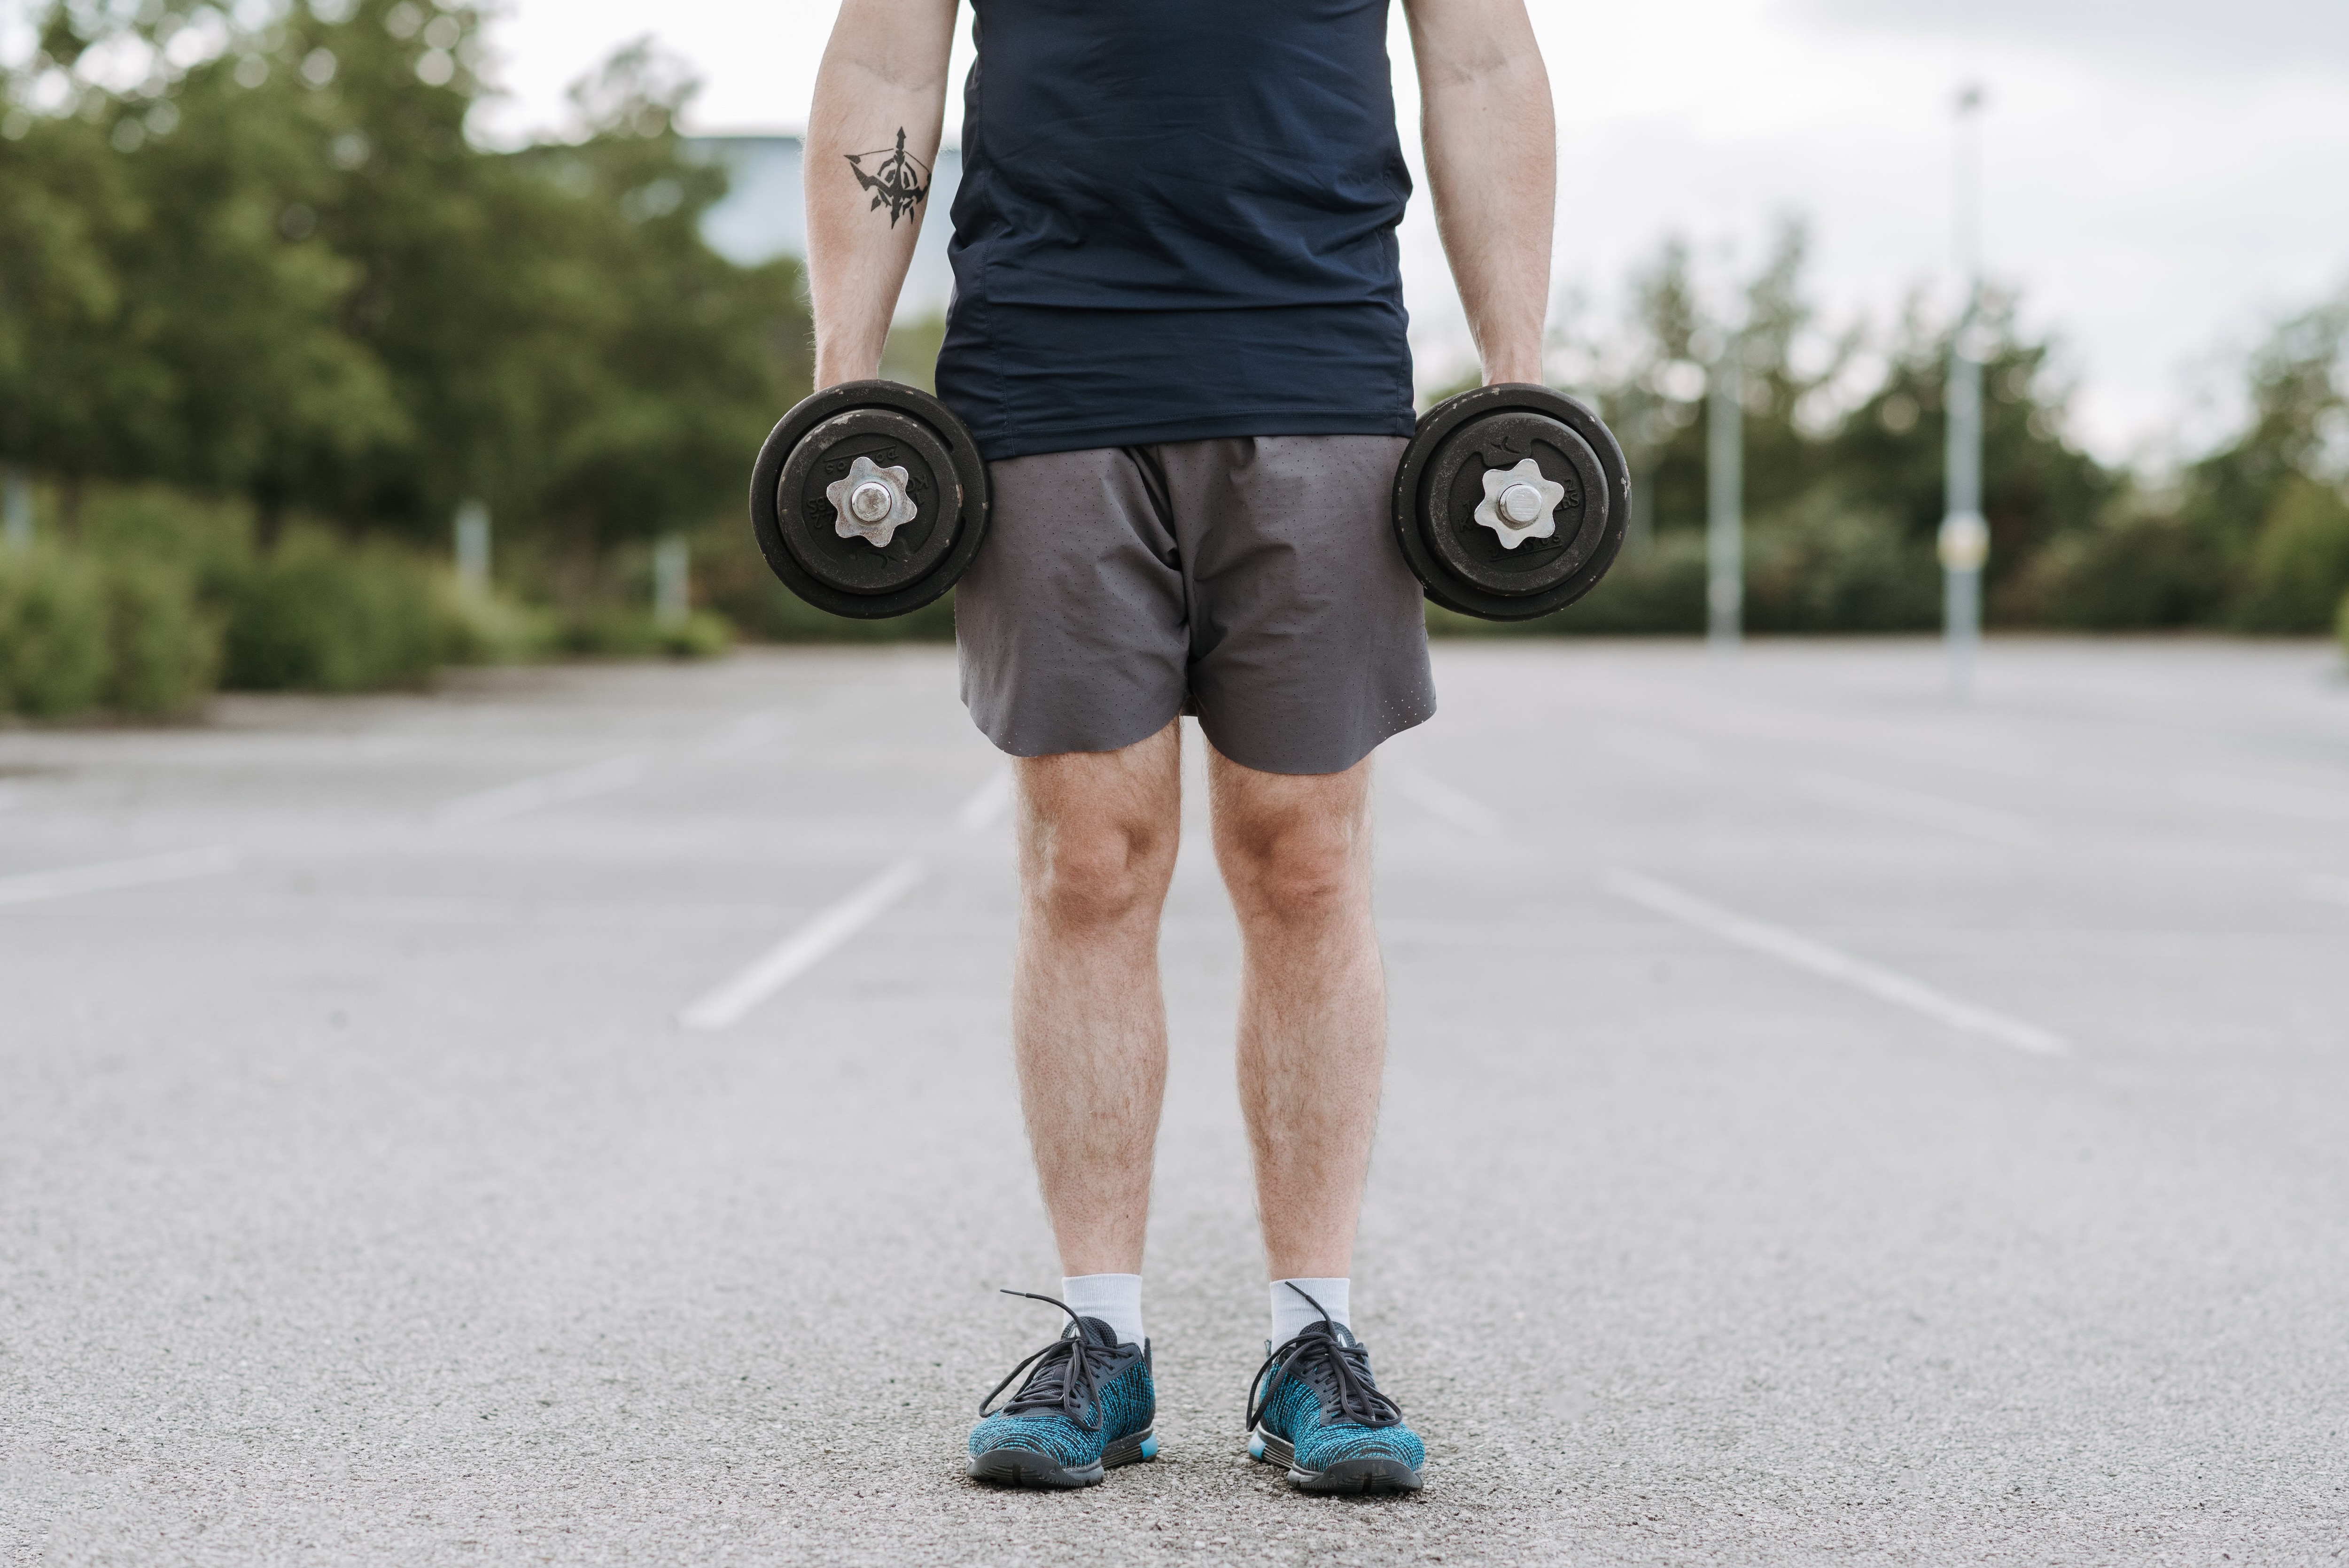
810 526
1606 505
1456 486
956 468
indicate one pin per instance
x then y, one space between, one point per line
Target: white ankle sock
1291 1312
1115 1299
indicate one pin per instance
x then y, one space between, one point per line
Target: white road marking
106 875
804 949
1916 809
2327 890
987 804
1441 801
524 795
1834 964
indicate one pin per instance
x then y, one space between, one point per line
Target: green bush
2300 564
701 636
2136 572
611 633
1657 588
78 633
732 578
203 538
1821 565
163 655
1816 566
783 616
52 634
319 615
492 629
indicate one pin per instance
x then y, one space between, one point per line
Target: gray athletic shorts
1255 582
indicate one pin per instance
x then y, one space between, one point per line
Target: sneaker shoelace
1329 1360
1068 1379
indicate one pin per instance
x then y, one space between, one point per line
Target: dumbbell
869 499
1511 501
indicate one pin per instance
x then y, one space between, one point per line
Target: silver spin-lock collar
1519 503
872 502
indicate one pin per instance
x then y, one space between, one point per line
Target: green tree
2297 389
2251 533
84 388
277 397
289 274
1844 486
1890 452
170 322
2299 565
681 360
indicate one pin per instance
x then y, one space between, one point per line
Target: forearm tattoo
898 179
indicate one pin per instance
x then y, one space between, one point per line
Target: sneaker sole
1025 1467
1362 1476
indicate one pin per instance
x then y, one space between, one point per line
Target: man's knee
1294 874
1098 873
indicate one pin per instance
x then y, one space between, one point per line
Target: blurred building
765 214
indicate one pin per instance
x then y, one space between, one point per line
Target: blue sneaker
1315 1408
1087 1407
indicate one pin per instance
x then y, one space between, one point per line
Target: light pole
1965 537
473 548
1725 484
672 582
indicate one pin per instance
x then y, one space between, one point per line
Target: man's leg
1296 853
1097 835
1295 850
1097 839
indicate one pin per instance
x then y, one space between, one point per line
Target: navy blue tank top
1177 221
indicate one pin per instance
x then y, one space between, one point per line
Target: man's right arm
873 135
1491 166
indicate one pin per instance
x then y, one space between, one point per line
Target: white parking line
1916 809
808 947
106 875
1441 801
804 949
508 800
1834 964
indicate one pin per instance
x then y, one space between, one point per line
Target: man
1178 337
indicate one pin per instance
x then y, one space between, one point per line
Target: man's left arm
1491 135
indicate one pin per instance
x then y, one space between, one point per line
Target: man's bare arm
873 135
1491 135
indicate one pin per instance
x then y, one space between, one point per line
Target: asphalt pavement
568 1118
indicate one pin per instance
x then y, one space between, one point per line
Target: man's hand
1491 164
872 134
